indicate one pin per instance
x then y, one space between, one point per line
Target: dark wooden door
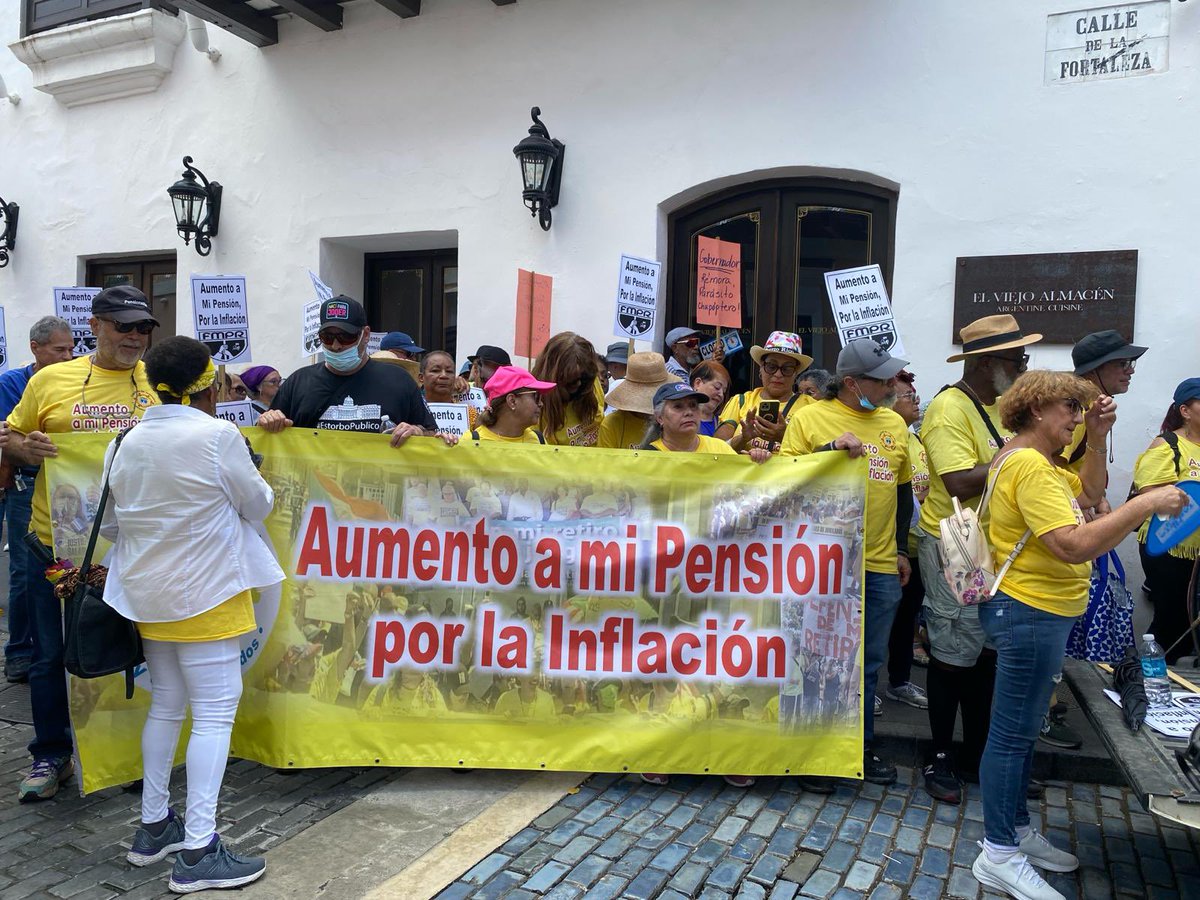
416 293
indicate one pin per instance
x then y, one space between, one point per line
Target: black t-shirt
375 399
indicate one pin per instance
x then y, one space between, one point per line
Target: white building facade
817 135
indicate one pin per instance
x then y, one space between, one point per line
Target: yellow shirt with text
1155 466
1031 493
738 405
707 445
573 431
955 439
885 437
920 482
622 429
78 397
529 436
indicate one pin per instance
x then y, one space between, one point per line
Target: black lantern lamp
8 237
190 197
541 159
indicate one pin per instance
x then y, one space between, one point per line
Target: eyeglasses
1021 362
909 395
275 382
336 336
535 394
1126 365
774 369
1072 405
126 327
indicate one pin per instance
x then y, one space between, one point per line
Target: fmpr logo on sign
224 345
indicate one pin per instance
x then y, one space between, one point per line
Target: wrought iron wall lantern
197 207
541 161
8 237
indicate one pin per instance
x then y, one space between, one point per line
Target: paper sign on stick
718 282
312 327
240 412
450 417
533 312
222 317
861 307
1163 534
323 291
637 298
75 305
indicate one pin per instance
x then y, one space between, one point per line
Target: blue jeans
881 598
47 677
1030 645
17 510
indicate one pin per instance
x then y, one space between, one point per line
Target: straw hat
411 366
785 343
989 334
645 374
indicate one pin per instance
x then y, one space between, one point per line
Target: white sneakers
1017 877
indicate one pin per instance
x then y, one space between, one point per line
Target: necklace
133 381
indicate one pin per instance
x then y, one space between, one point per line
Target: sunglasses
774 368
1020 361
1073 406
689 342
336 336
126 327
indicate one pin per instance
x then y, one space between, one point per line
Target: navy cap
398 340
677 391
1187 390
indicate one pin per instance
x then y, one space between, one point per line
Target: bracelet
1100 450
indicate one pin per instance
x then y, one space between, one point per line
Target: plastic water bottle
1154 672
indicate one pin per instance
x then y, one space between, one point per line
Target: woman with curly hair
571 413
1036 525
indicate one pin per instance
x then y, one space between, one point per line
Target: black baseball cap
345 313
1095 349
123 303
491 354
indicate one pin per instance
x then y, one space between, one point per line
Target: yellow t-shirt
573 431
530 436
1156 466
57 401
231 618
540 707
1077 438
622 429
1031 493
884 435
707 445
738 405
955 440
920 482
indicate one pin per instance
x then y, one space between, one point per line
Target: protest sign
637 298
477 398
75 305
4 365
312 327
374 340
451 417
718 282
323 291
221 317
1163 533
731 339
533 313
861 307
239 412
512 607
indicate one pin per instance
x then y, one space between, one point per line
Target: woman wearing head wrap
262 382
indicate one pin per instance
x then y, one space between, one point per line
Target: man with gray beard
961 433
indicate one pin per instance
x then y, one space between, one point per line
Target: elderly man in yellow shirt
854 417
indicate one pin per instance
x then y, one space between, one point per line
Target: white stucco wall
393 126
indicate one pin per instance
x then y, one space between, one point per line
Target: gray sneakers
216 869
44 778
148 849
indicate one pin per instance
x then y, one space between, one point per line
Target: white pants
208 676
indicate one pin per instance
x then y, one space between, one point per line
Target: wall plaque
1062 295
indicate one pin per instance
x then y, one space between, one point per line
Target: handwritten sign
637 297
718 282
450 417
533 312
221 316
240 412
75 305
373 341
1107 42
861 307
3 343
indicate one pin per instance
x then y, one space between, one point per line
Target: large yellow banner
508 606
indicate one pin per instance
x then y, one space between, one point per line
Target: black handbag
99 640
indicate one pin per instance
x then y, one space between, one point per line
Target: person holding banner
1172 456
514 407
571 413
262 384
106 391
760 416
632 401
1037 527
676 425
854 418
192 527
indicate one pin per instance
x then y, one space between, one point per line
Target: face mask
865 403
345 360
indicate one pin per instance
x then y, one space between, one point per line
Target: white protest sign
374 341
312 327
477 398
221 316
861 307
732 341
451 417
239 412
637 298
323 291
3 343
75 305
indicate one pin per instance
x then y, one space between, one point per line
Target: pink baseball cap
507 379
